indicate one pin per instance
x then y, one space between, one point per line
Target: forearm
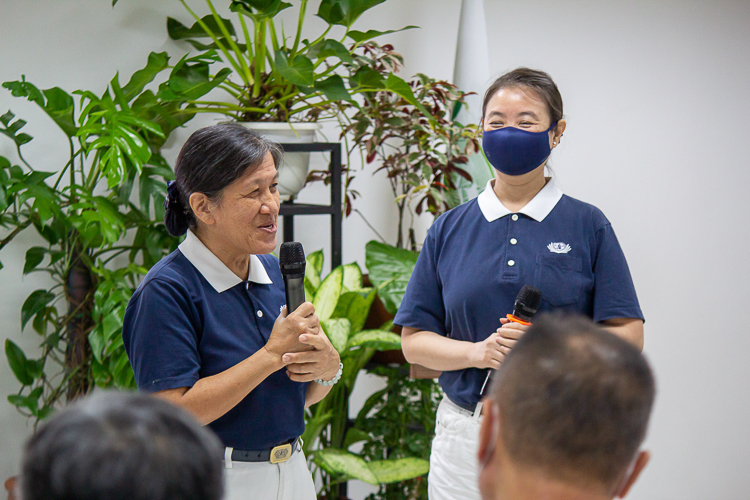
436 351
212 397
630 329
315 393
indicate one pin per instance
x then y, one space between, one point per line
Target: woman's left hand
510 332
320 363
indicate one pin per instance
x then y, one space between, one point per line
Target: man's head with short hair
568 411
122 446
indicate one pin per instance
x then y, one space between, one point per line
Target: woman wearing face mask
476 258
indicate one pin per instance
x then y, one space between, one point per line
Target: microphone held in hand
524 309
292 264
526 306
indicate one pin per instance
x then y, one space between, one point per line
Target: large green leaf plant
343 304
97 212
280 76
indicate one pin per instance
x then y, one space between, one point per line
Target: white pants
290 480
453 460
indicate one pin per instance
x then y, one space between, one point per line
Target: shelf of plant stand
290 209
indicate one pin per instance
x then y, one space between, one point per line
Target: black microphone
292 264
524 309
527 304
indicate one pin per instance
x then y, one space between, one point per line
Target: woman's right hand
288 327
487 353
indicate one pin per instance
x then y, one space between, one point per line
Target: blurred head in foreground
118 446
566 415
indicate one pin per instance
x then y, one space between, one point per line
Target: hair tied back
173 195
176 218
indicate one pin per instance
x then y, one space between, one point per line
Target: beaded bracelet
334 379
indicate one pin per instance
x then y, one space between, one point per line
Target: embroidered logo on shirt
559 247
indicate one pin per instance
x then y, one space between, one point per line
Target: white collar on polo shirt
538 208
214 270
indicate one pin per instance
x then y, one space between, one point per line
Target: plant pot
293 170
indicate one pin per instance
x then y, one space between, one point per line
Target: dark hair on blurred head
537 81
574 401
122 446
210 160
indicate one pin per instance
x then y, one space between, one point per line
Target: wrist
475 354
273 359
335 378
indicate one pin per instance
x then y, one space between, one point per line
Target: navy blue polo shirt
478 256
192 318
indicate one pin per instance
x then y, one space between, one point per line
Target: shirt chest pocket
559 277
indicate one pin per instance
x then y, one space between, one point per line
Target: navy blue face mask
513 151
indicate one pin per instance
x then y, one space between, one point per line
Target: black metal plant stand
289 209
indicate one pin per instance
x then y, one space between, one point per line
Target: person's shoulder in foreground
118 446
566 415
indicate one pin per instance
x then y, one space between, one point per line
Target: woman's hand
509 333
289 327
320 363
487 353
490 352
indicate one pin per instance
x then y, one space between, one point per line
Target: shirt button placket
513 241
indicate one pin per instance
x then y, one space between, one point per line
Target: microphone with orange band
524 309
526 306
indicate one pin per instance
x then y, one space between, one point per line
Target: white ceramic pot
293 170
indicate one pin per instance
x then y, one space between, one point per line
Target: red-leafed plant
422 154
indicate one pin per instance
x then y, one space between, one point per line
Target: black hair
574 401
122 446
210 160
537 81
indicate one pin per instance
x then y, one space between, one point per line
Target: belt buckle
281 453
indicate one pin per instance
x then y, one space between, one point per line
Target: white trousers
453 459
290 480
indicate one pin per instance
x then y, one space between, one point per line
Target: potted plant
422 156
103 201
281 84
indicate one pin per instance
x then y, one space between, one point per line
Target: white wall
656 97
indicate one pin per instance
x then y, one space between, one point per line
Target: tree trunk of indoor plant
80 293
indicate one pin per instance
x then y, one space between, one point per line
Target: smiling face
520 108
524 109
243 221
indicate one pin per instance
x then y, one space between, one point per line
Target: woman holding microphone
207 329
476 258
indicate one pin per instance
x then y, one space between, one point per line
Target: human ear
638 465
489 432
557 133
201 207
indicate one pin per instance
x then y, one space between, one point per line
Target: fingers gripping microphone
524 309
292 264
